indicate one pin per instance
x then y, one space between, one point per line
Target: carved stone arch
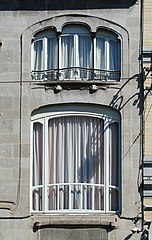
57 22
91 22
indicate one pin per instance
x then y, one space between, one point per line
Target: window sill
75 84
76 220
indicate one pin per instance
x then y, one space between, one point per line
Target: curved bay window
75 164
76 55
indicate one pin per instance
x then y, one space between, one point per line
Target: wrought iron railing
76 73
75 197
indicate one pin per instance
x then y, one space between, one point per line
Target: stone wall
19 96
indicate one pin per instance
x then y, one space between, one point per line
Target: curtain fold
67 54
100 53
52 53
77 152
85 56
37 165
114 55
76 51
113 166
38 56
107 54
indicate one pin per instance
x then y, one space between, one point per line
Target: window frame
76 57
44 119
44 36
90 72
107 36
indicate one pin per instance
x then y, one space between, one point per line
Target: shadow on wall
118 102
64 4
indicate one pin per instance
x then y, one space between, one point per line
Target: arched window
75 52
45 55
76 160
107 54
76 55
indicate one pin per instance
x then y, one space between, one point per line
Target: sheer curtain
107 55
113 166
75 156
52 53
38 59
85 56
100 53
76 51
67 55
114 55
37 165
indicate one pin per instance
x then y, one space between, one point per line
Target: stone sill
74 220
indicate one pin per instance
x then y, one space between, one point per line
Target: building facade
147 66
71 113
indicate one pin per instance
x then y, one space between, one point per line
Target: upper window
45 55
107 55
76 54
76 160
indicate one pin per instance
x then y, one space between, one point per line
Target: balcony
76 74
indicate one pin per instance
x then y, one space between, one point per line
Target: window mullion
106 166
32 56
76 51
119 167
60 53
31 167
94 53
45 166
45 53
76 56
107 55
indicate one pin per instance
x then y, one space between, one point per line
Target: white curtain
75 156
37 165
113 166
85 56
76 52
67 55
107 54
52 53
100 53
114 55
38 56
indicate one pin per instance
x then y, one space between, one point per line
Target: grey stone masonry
22 98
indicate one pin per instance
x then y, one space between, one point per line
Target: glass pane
37 153
99 198
85 56
38 56
37 199
67 55
113 199
100 53
76 154
52 53
114 55
113 160
67 51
